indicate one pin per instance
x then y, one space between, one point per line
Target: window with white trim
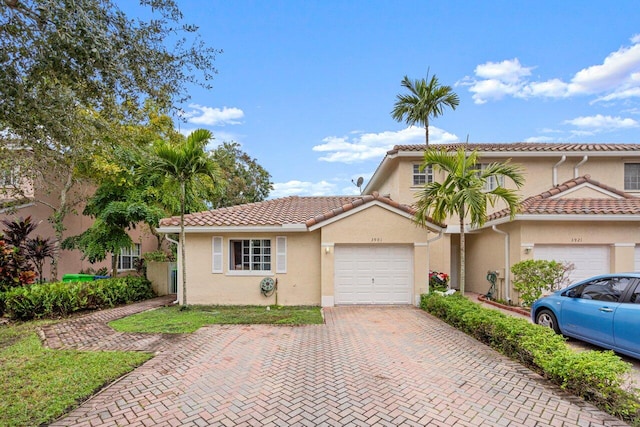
632 176
422 176
250 255
492 182
129 257
9 178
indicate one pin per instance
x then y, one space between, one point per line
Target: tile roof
307 211
545 203
523 147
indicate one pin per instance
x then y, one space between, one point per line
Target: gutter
507 280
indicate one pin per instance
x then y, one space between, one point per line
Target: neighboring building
19 198
580 206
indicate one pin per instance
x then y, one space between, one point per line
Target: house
580 206
21 197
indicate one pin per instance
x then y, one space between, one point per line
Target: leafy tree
57 54
426 99
463 192
245 181
187 164
72 71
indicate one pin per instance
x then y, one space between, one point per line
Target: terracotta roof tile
307 211
522 147
544 203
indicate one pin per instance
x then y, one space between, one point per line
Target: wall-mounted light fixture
527 250
327 249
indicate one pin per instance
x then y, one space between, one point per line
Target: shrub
62 298
532 277
596 376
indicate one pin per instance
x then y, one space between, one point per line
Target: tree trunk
57 221
182 244
462 252
426 134
114 264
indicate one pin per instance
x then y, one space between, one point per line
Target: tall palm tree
424 100
463 192
186 163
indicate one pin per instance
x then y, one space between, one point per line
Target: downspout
507 282
582 162
429 241
175 242
555 170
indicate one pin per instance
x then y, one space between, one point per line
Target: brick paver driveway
366 366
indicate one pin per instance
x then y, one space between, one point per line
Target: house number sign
376 240
576 239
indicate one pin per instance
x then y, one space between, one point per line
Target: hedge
596 376
49 300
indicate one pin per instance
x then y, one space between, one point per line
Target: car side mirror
572 294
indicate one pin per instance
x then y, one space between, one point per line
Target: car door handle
606 309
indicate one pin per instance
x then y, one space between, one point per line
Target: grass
40 384
176 320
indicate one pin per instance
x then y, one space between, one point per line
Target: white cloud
600 123
366 146
508 71
213 116
618 77
302 188
540 139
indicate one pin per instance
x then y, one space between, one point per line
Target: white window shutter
281 254
216 245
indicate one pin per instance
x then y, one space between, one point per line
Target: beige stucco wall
300 285
485 249
375 225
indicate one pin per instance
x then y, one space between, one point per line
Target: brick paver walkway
367 366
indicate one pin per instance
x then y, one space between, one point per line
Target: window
493 182
632 176
250 255
422 177
610 289
9 178
129 257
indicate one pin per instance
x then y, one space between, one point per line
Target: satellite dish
358 183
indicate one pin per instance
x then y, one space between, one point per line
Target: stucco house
580 205
21 197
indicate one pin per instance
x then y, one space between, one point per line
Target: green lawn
174 320
39 384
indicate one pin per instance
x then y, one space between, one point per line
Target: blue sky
307 86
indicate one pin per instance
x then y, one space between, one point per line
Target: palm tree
463 192
186 163
425 100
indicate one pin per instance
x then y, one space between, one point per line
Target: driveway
365 366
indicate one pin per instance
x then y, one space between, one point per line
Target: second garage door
373 274
588 260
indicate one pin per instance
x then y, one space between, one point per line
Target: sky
306 87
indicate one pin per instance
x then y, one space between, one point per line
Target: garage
588 260
636 259
373 274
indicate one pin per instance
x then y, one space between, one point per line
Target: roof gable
565 199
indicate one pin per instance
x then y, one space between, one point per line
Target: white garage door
588 260
636 265
373 274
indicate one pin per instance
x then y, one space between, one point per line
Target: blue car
603 310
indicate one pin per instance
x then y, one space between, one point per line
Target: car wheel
548 319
